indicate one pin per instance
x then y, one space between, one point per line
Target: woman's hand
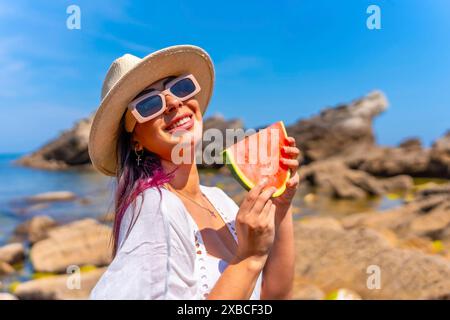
290 158
255 225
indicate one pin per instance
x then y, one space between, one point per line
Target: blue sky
275 60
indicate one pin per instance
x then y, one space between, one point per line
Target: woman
174 238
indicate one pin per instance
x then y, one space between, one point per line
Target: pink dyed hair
132 180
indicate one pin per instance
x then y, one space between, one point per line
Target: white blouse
164 255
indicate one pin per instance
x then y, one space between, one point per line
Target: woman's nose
172 103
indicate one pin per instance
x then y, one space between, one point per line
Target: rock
107 217
12 253
440 157
36 228
321 222
431 224
334 259
340 129
428 215
332 177
443 190
57 288
388 162
7 296
67 150
411 144
52 196
397 183
84 242
308 292
219 123
408 159
5 269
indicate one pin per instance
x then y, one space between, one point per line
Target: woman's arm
255 228
278 273
238 280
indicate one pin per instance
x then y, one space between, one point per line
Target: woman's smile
184 121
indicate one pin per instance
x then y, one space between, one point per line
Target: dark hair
132 179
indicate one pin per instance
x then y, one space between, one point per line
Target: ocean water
94 193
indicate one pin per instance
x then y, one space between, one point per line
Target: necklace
211 212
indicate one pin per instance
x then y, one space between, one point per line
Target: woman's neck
186 178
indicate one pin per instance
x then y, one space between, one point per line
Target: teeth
179 122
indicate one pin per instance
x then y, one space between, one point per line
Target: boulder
440 157
61 287
388 162
307 292
409 159
334 259
52 196
5 268
340 129
334 178
12 253
36 228
428 215
84 242
67 150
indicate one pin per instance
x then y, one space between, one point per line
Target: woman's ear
137 145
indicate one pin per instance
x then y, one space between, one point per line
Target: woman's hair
133 179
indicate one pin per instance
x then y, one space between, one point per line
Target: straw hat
128 76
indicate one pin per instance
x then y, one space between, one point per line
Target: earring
138 155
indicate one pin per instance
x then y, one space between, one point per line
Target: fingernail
263 181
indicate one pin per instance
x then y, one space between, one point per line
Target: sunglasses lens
149 106
183 88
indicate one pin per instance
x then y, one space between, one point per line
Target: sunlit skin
264 224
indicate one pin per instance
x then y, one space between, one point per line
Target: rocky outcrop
440 157
409 158
62 287
428 215
67 150
334 258
84 242
340 129
5 268
12 253
333 178
35 229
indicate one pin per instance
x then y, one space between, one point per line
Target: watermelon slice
258 156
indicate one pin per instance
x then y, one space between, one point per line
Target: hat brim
170 61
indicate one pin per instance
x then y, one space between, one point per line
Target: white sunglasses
152 104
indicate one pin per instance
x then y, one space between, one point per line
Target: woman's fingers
291 141
290 163
253 195
292 152
294 181
266 210
262 200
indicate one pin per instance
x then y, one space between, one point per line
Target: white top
164 256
